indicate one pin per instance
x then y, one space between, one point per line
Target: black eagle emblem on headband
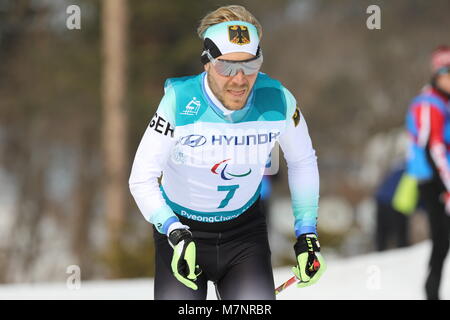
239 34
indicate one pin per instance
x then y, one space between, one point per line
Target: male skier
211 138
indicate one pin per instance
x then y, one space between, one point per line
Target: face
232 91
443 82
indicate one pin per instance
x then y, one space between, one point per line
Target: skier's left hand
310 263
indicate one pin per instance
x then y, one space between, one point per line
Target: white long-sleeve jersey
212 160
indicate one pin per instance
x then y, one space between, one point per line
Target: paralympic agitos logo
224 174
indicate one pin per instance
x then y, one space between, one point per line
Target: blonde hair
228 13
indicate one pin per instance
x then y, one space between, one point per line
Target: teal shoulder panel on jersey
269 100
191 105
173 82
166 108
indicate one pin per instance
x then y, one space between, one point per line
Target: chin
235 106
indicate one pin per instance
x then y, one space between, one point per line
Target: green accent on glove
300 270
183 264
310 264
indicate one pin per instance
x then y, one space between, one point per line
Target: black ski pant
236 257
439 223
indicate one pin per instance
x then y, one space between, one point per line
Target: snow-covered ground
394 274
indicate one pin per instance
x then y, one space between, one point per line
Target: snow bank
394 274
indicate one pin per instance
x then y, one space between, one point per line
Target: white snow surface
397 274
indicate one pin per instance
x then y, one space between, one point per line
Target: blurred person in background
392 225
428 124
267 183
207 216
266 190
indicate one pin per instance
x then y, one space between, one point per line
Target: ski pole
285 285
313 267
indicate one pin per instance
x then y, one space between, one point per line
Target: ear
206 66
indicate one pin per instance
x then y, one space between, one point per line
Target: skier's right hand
183 264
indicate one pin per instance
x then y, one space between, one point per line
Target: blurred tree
115 124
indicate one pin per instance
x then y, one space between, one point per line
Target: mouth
237 93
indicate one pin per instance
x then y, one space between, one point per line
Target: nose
239 78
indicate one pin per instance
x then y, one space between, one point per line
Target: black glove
310 263
184 257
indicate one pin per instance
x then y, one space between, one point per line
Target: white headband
231 36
